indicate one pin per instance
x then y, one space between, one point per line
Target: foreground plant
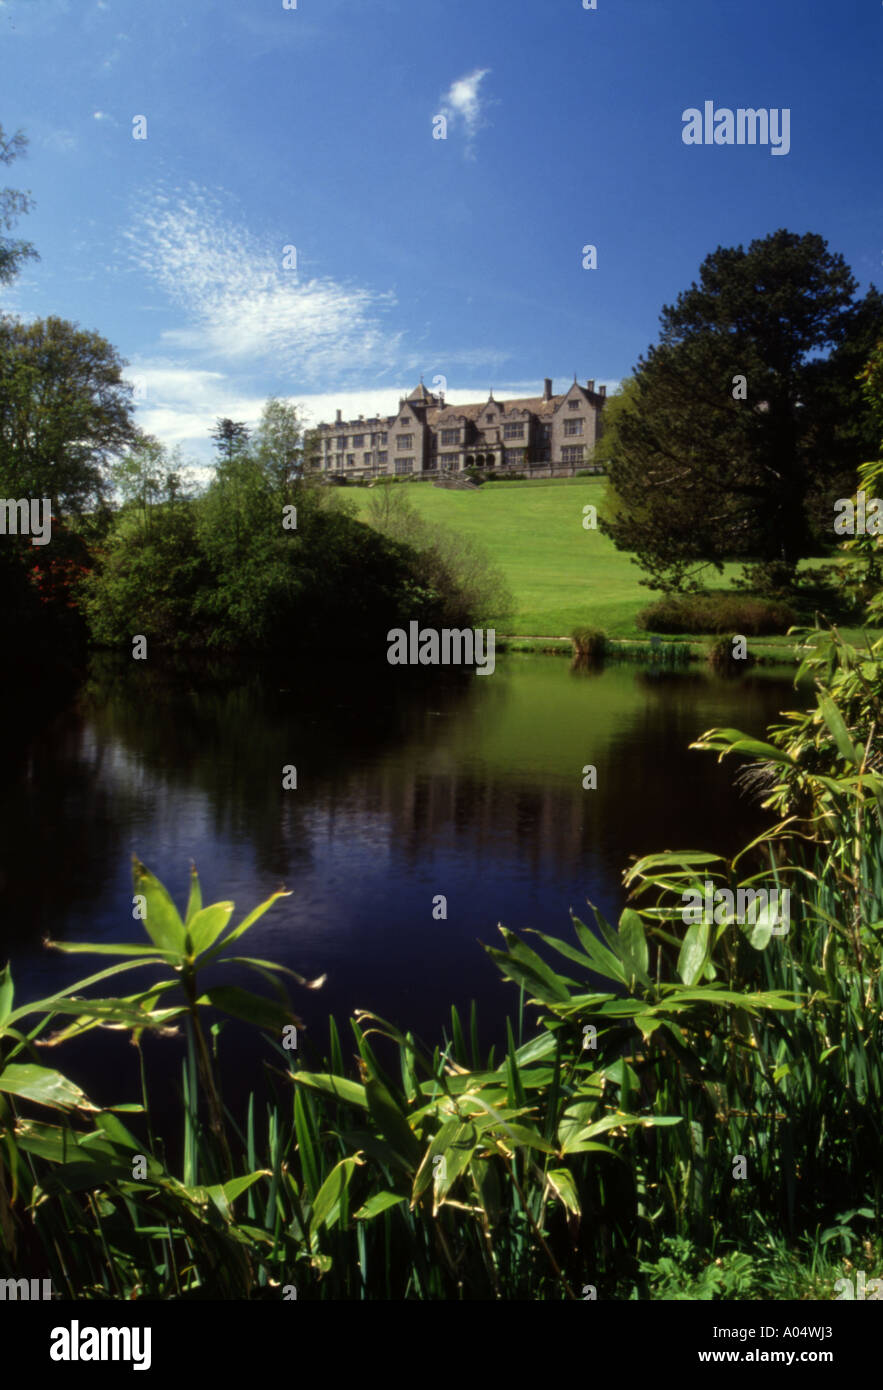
100 1161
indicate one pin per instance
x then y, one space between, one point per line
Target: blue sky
270 128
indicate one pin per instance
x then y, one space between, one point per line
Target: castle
547 436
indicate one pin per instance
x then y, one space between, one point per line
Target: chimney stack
590 386
602 390
441 400
547 389
338 417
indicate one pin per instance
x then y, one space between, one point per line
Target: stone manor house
547 436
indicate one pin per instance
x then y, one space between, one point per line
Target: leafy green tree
240 531
278 442
13 205
146 474
230 436
148 580
65 412
726 430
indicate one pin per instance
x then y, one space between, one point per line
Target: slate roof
534 405
421 395
439 415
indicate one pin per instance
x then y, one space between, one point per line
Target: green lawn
562 576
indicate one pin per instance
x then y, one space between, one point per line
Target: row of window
448 437
356 442
349 460
513 457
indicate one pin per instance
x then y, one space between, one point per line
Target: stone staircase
459 484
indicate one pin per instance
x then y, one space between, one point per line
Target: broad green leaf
109 1013
694 950
633 945
379 1202
194 901
41 1084
561 1182
99 948
6 993
244 925
679 859
251 1008
442 1140
391 1122
326 1207
457 1158
206 925
761 930
834 720
526 1138
347 1092
161 920
604 962
222 1194
546 984
116 1130
564 948
273 967
734 741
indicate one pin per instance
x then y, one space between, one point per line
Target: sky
294 225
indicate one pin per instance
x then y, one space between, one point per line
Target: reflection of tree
420 760
701 807
59 817
653 792
231 744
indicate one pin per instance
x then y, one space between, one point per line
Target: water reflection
409 785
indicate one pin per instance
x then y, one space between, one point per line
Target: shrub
589 644
722 659
467 586
729 613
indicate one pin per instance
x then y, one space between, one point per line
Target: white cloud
101 116
462 104
179 404
243 307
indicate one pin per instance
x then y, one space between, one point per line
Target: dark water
409 787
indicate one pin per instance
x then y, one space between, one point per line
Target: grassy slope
562 576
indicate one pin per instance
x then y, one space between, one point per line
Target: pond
411 787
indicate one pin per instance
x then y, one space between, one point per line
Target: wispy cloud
462 105
62 140
243 306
